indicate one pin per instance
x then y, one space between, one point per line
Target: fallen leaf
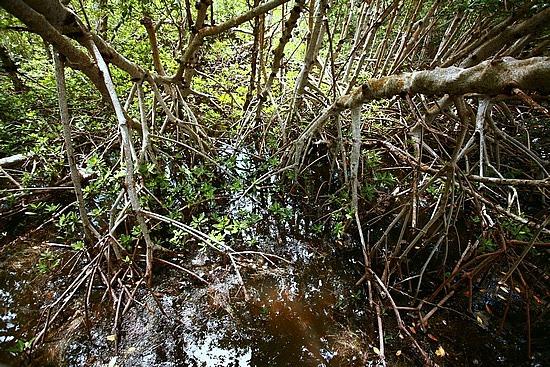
398 353
537 299
479 320
440 352
376 350
483 290
131 350
488 310
432 337
112 362
501 296
111 337
505 289
413 330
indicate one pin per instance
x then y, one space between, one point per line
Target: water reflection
207 352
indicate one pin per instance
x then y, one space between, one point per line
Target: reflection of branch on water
218 246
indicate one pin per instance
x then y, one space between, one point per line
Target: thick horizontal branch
489 77
39 24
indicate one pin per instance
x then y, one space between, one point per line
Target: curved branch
489 77
39 23
213 30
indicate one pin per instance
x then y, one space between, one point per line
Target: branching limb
400 324
89 229
129 176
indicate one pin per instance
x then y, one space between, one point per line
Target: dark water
305 311
306 314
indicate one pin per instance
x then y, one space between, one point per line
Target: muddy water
291 319
304 313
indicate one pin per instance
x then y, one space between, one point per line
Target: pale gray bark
13 159
89 229
129 163
489 77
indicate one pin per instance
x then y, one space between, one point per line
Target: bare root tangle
445 181
464 161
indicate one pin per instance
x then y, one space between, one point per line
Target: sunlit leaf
376 350
131 350
440 352
479 320
398 353
111 337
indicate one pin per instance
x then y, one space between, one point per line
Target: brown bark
278 53
504 36
39 24
10 68
148 24
213 30
56 14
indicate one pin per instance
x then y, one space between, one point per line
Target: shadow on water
304 313
291 319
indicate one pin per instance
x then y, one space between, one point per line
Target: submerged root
455 173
